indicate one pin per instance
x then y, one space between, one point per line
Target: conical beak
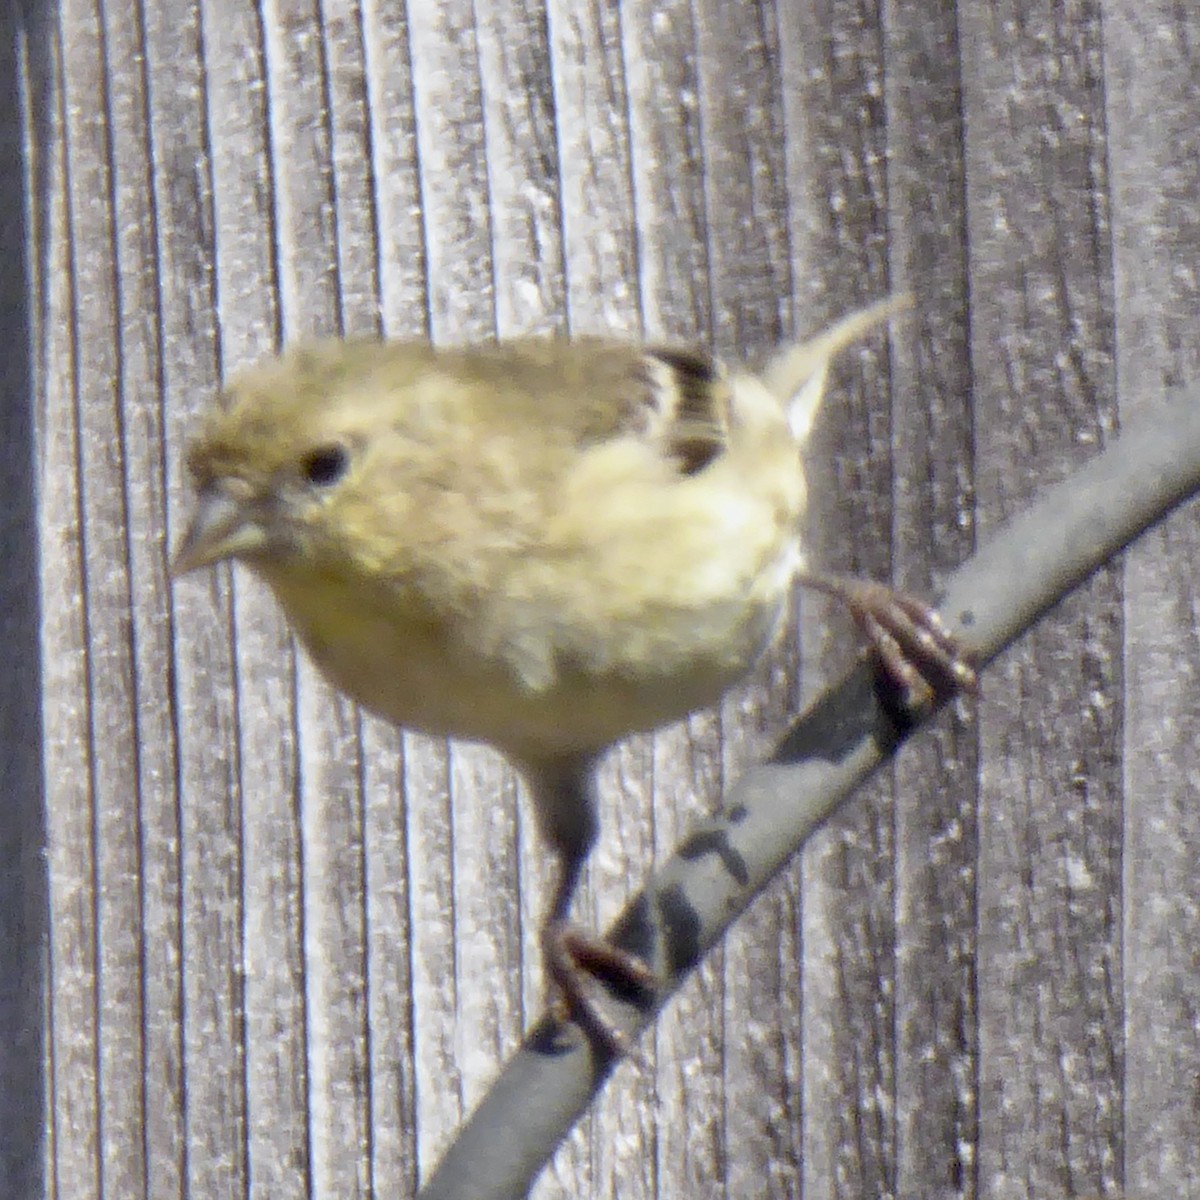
221 527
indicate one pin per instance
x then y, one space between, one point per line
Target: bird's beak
222 527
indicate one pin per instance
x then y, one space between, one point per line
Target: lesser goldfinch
545 545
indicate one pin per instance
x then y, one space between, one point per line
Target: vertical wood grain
834 68
288 945
24 925
1050 712
266 836
71 1067
937 1054
101 1007
144 786
200 970
1151 59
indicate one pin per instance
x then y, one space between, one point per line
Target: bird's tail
797 373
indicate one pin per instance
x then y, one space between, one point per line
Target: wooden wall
278 948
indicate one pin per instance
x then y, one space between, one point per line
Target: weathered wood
1048 884
937 1117
24 932
198 972
287 945
93 793
1151 61
834 65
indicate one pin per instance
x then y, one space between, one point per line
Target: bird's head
282 464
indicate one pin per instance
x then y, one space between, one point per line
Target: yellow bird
545 545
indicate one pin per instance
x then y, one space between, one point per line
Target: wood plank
264 833
834 71
591 111
147 796
96 850
289 946
196 1089
73 1102
1049 717
24 931
937 1053
1150 61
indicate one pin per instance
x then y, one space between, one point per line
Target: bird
543 544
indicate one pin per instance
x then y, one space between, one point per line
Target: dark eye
325 465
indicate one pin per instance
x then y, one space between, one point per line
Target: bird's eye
325 465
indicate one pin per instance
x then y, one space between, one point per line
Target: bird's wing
592 390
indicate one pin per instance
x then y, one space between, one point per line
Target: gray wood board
280 948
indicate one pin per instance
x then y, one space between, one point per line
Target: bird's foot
919 659
575 961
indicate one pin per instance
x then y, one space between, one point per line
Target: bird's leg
919 658
575 960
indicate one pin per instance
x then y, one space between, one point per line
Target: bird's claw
574 960
920 660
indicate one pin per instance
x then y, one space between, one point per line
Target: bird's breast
545 688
